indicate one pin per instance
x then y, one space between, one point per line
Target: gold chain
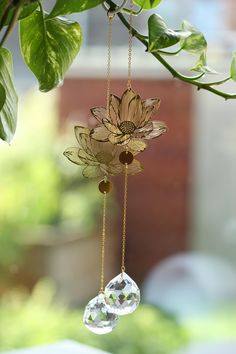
124 219
109 44
130 44
103 241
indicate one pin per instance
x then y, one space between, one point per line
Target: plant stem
12 23
190 80
169 53
134 13
217 82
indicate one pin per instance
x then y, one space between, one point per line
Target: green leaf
2 96
49 47
233 67
160 36
147 4
201 65
63 7
26 11
8 97
195 43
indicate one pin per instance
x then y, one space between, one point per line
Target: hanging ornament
126 122
123 130
122 294
98 318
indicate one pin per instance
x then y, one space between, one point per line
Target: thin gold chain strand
124 219
103 241
130 44
109 44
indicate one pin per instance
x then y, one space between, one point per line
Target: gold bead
126 157
105 186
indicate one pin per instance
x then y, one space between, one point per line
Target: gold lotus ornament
98 158
128 121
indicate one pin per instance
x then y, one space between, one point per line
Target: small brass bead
126 157
105 186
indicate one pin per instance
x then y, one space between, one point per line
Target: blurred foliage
38 319
217 325
38 185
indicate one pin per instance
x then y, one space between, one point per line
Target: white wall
214 175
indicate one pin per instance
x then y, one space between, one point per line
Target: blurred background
181 210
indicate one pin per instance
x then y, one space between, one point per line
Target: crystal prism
98 318
122 295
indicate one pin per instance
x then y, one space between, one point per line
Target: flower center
104 157
127 127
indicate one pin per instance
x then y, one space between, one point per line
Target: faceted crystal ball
98 318
122 295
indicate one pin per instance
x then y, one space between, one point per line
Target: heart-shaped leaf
201 65
160 36
195 43
147 4
8 97
49 46
233 67
63 7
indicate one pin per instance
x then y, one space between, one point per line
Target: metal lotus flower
98 158
128 121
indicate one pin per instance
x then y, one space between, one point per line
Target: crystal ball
122 295
98 318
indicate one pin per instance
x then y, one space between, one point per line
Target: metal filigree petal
98 146
72 155
111 127
99 113
115 169
134 113
79 129
137 145
100 133
135 167
138 111
92 172
159 128
150 106
114 112
144 131
119 139
126 98
152 102
86 158
85 143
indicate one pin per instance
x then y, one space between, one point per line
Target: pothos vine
50 43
